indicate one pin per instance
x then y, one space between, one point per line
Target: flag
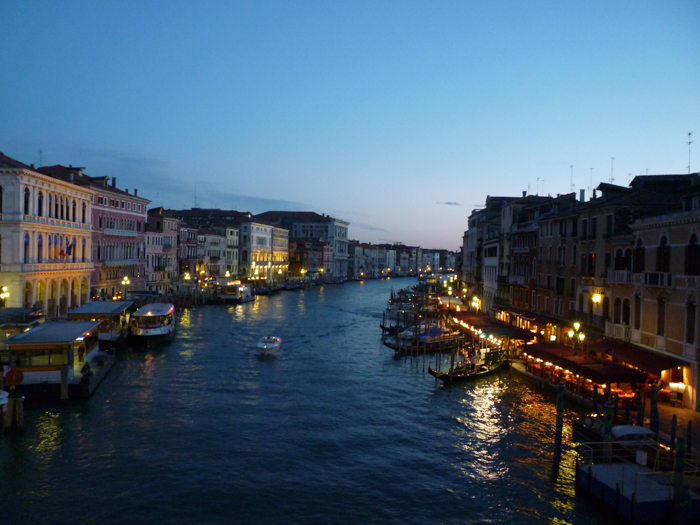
70 247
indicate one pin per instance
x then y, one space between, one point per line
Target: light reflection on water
332 429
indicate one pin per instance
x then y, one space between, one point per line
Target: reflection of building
45 239
118 236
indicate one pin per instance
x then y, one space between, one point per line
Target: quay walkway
666 413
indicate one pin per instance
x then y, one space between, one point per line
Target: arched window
40 204
618 262
626 312
56 213
627 260
663 256
62 209
692 256
660 316
639 254
74 209
40 249
84 212
26 201
26 248
83 257
690 319
617 311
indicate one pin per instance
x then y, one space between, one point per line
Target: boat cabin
111 316
53 352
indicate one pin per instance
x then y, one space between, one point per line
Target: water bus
153 321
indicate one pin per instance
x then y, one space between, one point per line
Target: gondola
464 372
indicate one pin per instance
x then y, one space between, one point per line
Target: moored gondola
465 372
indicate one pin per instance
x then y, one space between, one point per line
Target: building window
74 209
692 256
637 311
84 212
40 250
638 261
40 204
617 310
26 248
626 312
26 201
663 256
660 316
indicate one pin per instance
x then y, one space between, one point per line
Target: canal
334 429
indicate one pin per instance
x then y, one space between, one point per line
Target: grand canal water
334 429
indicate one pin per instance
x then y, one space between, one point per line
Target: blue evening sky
397 116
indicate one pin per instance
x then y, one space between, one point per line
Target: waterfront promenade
666 413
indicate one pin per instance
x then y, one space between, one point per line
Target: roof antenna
612 161
572 177
689 143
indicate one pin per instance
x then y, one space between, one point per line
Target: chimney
524 193
70 176
136 192
126 190
582 195
114 182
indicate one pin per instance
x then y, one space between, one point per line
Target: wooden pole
64 382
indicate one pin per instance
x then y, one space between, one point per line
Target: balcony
48 221
658 279
49 267
121 262
617 331
120 233
619 277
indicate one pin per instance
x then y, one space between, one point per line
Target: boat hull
463 375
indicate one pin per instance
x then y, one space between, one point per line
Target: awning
644 359
596 369
492 326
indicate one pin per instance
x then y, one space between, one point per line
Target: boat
465 372
237 293
152 321
269 345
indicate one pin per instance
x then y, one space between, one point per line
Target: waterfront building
214 253
616 276
311 225
161 250
118 233
187 251
310 259
231 234
45 239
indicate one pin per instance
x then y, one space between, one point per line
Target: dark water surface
334 429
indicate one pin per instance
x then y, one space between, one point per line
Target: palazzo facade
45 239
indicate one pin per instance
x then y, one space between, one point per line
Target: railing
120 232
121 262
48 221
47 267
619 276
658 279
618 331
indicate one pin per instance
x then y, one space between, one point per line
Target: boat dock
621 479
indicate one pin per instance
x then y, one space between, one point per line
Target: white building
45 239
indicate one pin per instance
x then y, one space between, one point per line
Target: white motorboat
269 345
153 320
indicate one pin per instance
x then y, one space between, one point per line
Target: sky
399 117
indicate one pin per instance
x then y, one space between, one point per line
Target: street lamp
302 274
125 282
4 295
576 337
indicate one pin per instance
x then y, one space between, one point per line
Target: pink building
118 233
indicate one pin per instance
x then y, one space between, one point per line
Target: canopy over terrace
596 369
647 360
491 326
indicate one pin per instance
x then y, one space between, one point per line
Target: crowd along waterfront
333 428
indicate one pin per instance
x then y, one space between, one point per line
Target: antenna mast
612 162
689 143
572 177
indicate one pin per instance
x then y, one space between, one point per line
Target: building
311 225
161 250
118 235
45 239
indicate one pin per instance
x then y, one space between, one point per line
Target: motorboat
153 320
269 345
237 293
